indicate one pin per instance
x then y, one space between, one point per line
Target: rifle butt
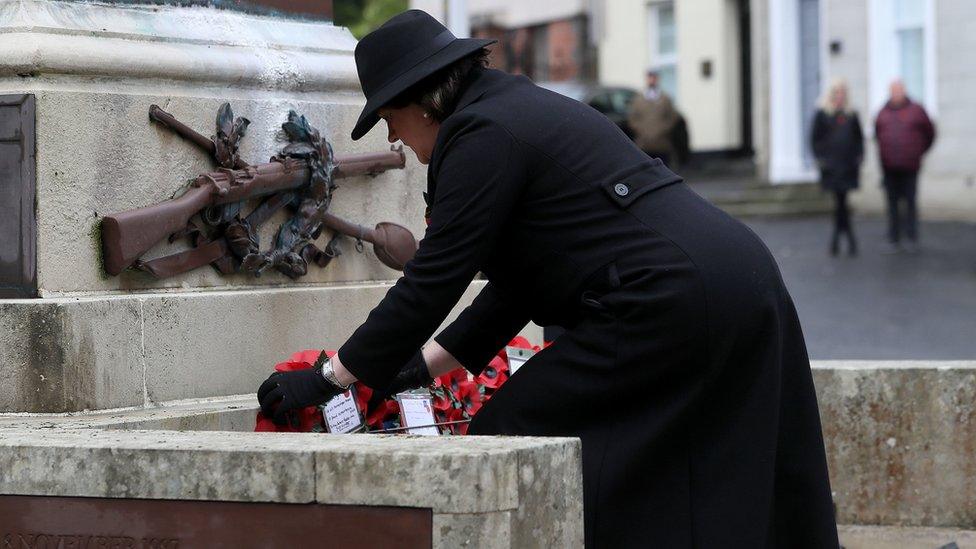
128 235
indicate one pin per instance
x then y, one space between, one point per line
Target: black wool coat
683 367
838 146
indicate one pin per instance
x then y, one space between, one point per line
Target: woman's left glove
284 392
414 375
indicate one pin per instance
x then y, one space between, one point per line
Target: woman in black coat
838 145
682 369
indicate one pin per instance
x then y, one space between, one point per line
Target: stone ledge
471 483
192 44
233 413
894 537
72 354
156 465
901 441
116 351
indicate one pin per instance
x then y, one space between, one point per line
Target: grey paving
875 306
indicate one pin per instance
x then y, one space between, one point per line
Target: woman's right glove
286 392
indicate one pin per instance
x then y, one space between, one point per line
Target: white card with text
417 409
341 414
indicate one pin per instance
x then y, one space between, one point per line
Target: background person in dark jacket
682 369
838 145
904 134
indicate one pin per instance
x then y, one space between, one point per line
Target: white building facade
926 43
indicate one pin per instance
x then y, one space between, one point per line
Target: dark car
613 102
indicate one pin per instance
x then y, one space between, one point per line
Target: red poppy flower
310 356
470 396
457 414
494 374
452 379
442 401
363 395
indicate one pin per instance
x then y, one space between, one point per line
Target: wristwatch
329 374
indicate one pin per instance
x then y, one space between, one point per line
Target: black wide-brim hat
405 50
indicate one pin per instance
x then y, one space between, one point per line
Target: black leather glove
284 392
414 375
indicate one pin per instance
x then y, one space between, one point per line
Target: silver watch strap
329 374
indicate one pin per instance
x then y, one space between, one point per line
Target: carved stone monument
77 81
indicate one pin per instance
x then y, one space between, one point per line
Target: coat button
621 189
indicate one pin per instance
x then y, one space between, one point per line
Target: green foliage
363 16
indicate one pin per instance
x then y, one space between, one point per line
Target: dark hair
438 93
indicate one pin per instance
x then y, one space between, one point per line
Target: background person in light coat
838 145
652 117
904 134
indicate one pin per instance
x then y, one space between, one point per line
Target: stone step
764 209
896 537
231 413
749 198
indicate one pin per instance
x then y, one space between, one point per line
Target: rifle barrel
349 165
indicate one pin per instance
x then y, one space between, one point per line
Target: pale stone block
446 474
157 465
901 441
550 511
71 354
895 537
481 530
471 483
221 343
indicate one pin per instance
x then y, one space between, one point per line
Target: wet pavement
877 306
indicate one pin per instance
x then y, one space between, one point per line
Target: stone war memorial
182 208
155 265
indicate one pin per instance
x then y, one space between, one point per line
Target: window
663 45
902 38
910 36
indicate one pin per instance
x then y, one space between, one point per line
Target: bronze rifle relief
301 178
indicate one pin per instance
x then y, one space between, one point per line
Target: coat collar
480 83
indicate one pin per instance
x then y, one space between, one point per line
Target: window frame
659 61
884 54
